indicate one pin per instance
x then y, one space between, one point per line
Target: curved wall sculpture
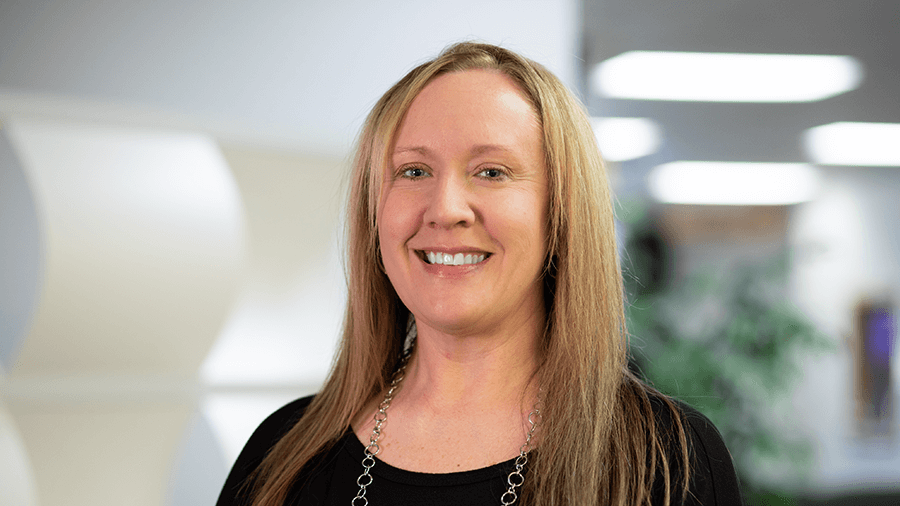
140 256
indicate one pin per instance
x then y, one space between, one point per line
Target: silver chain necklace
514 480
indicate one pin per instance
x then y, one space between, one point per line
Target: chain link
373 449
516 478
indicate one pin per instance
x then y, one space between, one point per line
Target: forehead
485 103
474 85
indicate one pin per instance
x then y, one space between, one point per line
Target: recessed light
725 77
733 183
851 143
623 139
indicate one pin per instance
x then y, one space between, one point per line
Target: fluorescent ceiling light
733 183
847 143
725 77
626 138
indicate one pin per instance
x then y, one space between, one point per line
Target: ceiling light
725 77
847 143
623 139
733 183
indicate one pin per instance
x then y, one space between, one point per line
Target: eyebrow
477 150
418 149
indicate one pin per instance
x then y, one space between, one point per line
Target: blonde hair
599 441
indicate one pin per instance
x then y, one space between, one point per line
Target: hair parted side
599 443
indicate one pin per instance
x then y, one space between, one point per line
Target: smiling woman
467 180
485 318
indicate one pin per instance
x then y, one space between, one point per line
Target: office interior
172 191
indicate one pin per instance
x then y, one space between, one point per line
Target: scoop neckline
382 469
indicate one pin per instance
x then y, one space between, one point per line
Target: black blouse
332 479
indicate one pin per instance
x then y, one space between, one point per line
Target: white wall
847 248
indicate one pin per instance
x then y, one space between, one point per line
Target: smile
440 258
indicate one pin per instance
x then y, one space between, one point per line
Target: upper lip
453 251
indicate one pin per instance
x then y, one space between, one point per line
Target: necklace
514 480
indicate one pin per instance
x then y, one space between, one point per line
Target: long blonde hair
599 442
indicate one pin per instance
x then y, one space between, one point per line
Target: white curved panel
17 486
234 416
199 469
102 454
143 235
284 328
21 255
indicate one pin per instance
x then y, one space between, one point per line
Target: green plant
726 342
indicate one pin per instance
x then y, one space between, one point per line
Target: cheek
401 212
386 245
387 251
384 228
395 225
539 232
387 223
528 214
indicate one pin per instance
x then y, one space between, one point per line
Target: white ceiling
868 30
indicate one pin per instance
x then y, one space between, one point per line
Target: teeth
457 259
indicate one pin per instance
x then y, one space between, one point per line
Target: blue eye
413 173
492 173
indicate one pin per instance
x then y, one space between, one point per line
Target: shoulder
713 480
263 439
712 468
274 427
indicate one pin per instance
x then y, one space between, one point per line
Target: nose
450 204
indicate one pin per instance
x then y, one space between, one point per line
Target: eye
492 173
413 173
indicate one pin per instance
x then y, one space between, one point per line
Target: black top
332 479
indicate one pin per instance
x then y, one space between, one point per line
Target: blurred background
171 198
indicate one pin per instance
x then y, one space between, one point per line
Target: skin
467 176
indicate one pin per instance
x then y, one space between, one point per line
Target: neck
448 372
484 386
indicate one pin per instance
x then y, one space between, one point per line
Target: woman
482 251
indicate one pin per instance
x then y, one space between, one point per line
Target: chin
452 323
